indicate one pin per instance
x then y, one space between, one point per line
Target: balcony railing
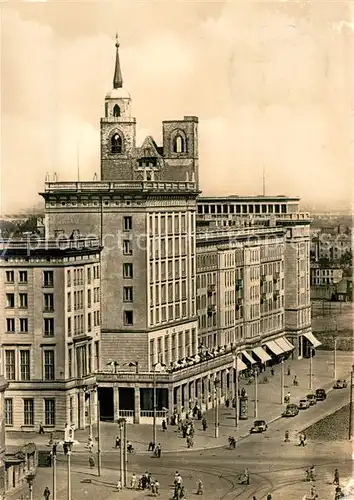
94 186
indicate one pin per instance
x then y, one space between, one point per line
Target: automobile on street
304 404
311 399
291 410
321 394
340 384
259 426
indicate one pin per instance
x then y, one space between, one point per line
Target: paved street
274 466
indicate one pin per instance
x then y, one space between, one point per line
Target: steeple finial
117 79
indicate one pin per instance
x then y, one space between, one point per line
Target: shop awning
248 357
261 353
311 338
240 365
284 344
274 347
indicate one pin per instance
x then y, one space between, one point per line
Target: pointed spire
117 79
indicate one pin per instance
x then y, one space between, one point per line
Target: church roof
150 145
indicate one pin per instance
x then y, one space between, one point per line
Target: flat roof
56 247
237 198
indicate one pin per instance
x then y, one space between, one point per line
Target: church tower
118 131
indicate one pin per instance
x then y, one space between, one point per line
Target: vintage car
291 410
304 404
340 384
259 426
311 399
320 394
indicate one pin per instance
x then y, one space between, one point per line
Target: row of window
241 209
21 325
173 347
76 323
171 312
176 269
170 292
22 303
28 412
161 224
18 364
48 277
175 247
76 277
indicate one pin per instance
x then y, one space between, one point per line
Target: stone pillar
206 391
199 392
185 396
179 399
136 405
170 400
115 403
193 392
224 383
82 415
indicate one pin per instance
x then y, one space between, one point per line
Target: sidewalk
269 409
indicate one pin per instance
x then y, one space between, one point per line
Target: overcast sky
271 83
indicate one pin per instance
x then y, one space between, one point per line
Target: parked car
340 384
321 394
291 410
311 399
304 404
259 426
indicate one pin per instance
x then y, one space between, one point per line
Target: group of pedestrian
179 490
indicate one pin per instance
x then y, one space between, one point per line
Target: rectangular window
49 365
22 276
10 368
128 271
89 298
127 223
28 412
69 326
10 278
10 300
49 412
48 302
89 358
23 300
9 416
25 365
89 322
49 327
68 278
48 279
128 318
128 294
127 247
97 355
70 363
24 325
89 275
10 324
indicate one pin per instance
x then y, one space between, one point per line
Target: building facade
325 276
189 284
50 340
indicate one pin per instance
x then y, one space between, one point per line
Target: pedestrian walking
157 488
204 424
272 372
46 493
133 482
117 445
119 485
151 446
91 462
336 477
41 428
295 381
269 496
289 371
200 488
286 437
164 425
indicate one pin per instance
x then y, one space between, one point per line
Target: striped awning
284 344
261 354
240 365
311 338
274 347
248 357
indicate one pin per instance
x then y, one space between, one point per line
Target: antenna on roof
263 181
78 160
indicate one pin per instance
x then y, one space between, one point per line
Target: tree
346 259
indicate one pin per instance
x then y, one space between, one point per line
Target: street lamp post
98 416
122 451
282 382
311 376
216 385
236 387
54 451
335 358
255 393
154 366
350 434
69 448
30 479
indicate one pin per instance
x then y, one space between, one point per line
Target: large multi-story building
50 337
187 282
